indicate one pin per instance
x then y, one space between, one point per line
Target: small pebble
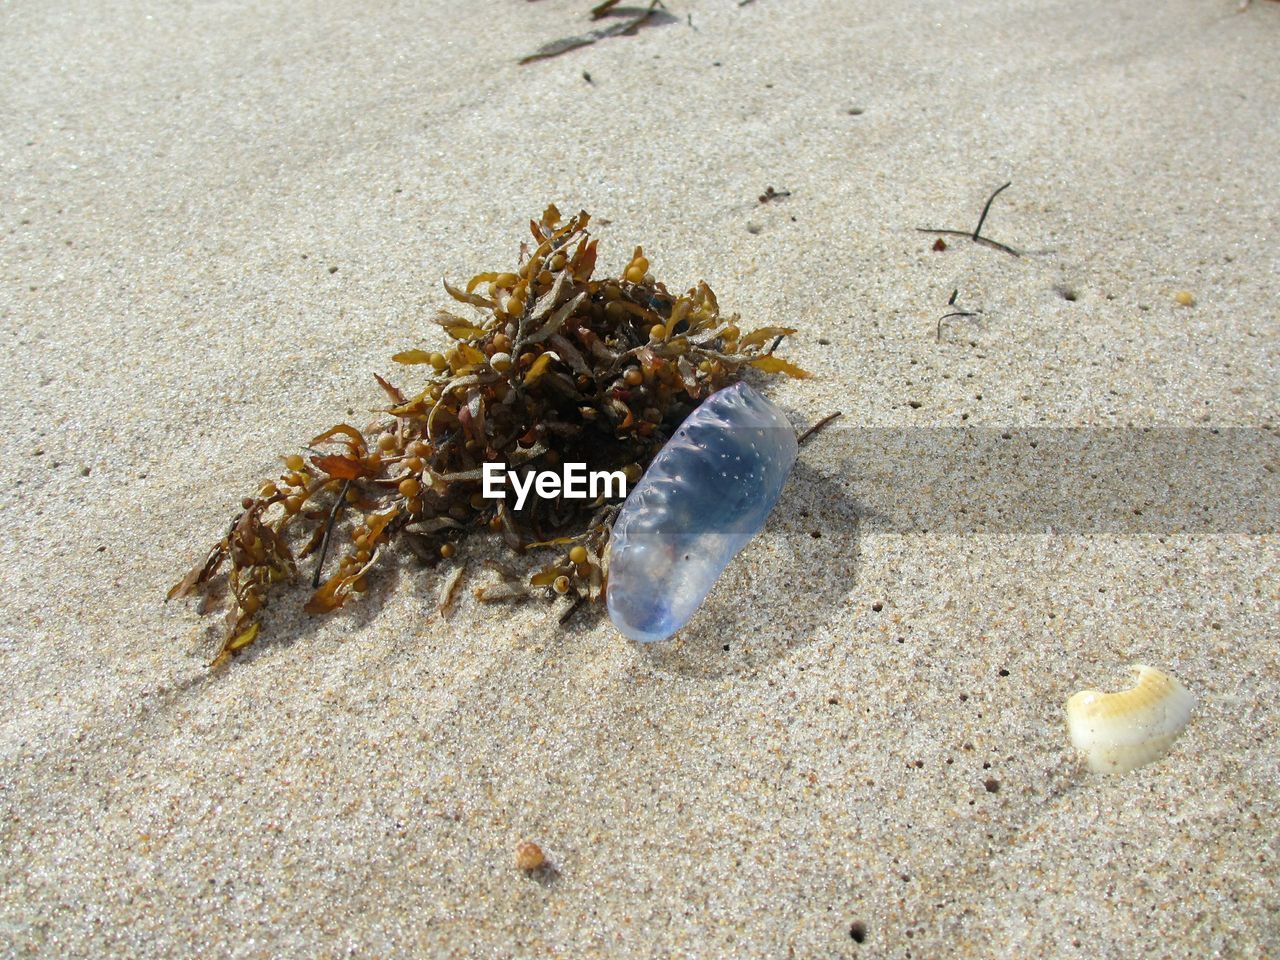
1185 298
529 856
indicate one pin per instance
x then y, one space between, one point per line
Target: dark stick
987 209
816 427
774 345
328 531
986 241
976 234
945 316
573 608
997 245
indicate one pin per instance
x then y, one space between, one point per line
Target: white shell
1120 731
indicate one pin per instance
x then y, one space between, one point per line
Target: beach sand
219 221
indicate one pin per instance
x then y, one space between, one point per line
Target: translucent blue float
706 494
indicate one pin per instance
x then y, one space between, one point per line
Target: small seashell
529 856
706 494
449 590
1120 731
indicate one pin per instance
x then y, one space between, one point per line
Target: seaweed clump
557 368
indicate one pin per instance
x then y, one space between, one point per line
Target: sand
220 220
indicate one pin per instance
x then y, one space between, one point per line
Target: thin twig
573 608
987 209
985 241
816 427
623 28
946 316
976 234
328 531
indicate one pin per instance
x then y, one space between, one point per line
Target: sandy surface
217 222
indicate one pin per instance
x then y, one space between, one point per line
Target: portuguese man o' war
706 494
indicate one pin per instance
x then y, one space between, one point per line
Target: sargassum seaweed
556 366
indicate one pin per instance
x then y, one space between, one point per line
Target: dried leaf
470 356
341 468
331 595
395 395
433 525
416 405
355 439
539 367
472 298
199 575
570 355
458 327
544 578
772 364
448 589
557 320
184 586
688 376
584 261
756 337
462 476
412 356
378 523
480 278
313 544
548 300
244 639
558 541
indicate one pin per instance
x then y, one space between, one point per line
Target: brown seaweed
556 366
